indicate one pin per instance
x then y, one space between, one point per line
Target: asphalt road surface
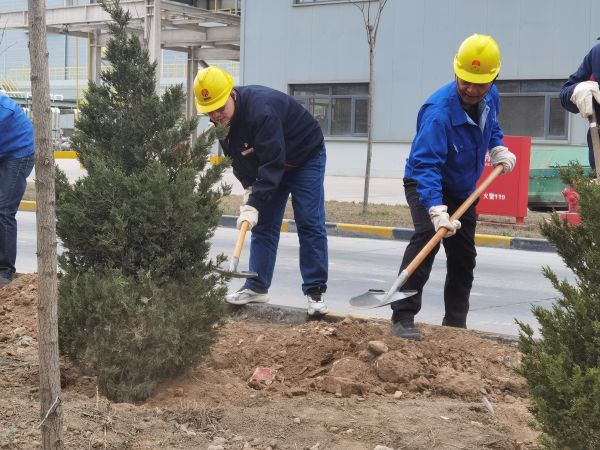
507 282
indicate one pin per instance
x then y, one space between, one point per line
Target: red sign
508 194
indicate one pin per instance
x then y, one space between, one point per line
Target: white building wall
284 43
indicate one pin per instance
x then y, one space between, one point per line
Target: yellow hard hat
477 59
212 87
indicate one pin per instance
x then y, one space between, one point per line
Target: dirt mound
318 385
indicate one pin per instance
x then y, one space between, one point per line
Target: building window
532 108
341 109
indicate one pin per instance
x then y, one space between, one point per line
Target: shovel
235 259
374 298
595 141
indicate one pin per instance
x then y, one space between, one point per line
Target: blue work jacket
270 132
448 153
589 70
16 131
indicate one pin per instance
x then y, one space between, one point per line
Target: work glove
583 96
247 193
441 219
502 155
249 214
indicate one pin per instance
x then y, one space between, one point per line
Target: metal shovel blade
236 274
375 298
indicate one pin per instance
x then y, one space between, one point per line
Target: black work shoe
406 329
454 323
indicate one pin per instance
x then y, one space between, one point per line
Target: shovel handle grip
595 140
439 235
240 242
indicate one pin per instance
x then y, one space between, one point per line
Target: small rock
317 446
219 440
333 429
398 394
382 447
178 392
296 392
509 398
273 443
263 374
260 338
377 347
297 420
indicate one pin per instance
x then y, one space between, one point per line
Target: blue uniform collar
459 116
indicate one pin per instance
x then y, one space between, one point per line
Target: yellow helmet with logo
477 59
212 87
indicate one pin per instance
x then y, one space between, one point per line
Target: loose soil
346 385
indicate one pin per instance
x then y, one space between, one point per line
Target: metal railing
171 70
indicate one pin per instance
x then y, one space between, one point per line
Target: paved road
507 282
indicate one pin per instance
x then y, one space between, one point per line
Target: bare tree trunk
50 394
371 27
369 129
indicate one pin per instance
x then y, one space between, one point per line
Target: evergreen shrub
138 298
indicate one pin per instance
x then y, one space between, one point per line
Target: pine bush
563 365
138 298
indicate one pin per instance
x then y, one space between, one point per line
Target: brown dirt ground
332 389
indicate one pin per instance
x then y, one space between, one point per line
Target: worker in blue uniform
580 94
455 128
276 149
16 163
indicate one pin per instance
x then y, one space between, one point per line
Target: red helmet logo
475 62
204 93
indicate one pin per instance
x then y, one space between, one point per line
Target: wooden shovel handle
595 141
240 242
439 235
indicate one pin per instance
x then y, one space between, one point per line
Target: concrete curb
289 315
404 234
391 233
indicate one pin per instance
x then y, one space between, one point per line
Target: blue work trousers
305 184
13 181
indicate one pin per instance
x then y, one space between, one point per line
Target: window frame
305 101
548 96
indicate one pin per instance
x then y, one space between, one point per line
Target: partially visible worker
580 94
16 163
276 149
455 128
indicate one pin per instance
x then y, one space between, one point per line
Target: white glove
502 155
440 218
248 214
247 193
583 95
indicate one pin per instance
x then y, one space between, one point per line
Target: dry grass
399 216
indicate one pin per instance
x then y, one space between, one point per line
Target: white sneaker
316 304
244 296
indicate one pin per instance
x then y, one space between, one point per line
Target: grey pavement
348 189
507 282
389 191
